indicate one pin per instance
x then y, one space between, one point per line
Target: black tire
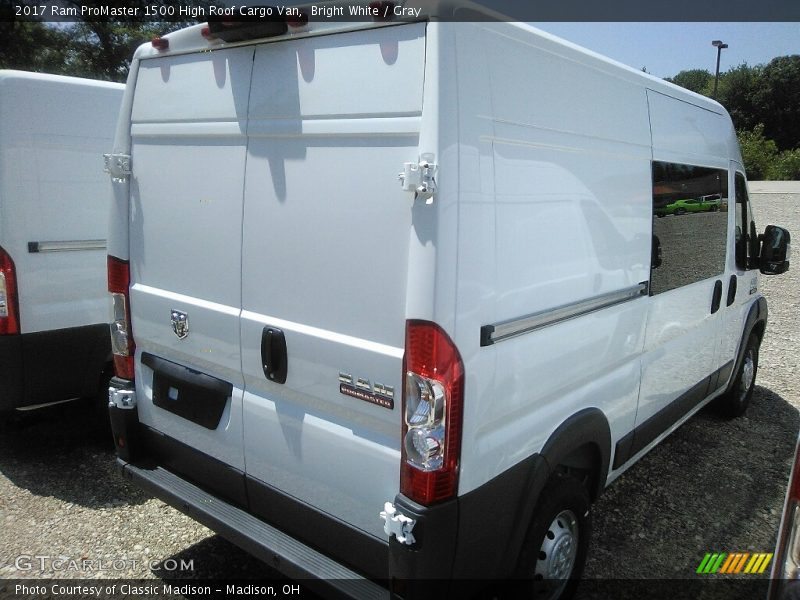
562 526
680 211
734 402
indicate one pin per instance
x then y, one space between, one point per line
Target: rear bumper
290 536
48 366
473 539
279 550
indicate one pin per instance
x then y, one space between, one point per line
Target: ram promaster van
391 303
54 342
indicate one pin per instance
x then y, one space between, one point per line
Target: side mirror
775 250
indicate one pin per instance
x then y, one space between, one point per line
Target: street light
720 46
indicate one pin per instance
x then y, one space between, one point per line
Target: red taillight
119 275
9 300
433 399
382 10
160 43
122 344
297 21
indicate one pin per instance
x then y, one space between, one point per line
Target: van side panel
571 218
684 132
54 131
53 219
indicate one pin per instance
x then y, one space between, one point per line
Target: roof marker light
297 21
382 11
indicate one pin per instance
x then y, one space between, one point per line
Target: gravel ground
714 485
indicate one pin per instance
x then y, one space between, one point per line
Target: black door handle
717 298
274 360
732 285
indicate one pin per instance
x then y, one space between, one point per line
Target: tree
758 153
95 48
696 80
776 101
103 50
736 91
32 46
786 167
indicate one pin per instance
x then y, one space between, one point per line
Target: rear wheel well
583 463
581 447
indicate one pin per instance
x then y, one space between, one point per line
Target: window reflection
690 221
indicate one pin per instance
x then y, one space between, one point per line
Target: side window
690 224
746 236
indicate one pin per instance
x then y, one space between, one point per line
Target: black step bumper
279 550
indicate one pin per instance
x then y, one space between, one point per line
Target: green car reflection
710 203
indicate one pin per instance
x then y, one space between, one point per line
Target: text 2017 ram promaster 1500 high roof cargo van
357 375
54 342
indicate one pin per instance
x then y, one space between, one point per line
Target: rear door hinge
118 166
420 177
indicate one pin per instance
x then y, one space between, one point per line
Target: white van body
283 283
53 223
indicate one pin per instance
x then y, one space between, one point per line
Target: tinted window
690 224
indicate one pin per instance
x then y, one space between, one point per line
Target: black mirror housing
775 250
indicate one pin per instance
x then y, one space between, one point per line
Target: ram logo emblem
180 324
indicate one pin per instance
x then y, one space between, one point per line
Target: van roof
10 75
192 39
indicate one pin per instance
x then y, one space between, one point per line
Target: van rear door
188 130
325 244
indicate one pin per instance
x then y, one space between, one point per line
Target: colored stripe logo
734 563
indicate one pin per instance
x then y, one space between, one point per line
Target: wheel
734 402
554 551
680 211
714 208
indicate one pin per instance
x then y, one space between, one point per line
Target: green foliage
735 93
786 166
17 39
758 152
763 160
103 50
696 80
95 49
776 100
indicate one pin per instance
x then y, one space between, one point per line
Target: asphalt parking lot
714 485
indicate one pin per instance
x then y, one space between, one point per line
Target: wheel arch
756 322
582 442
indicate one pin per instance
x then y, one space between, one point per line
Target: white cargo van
54 344
365 378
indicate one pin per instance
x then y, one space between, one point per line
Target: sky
665 49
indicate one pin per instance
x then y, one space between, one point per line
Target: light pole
720 46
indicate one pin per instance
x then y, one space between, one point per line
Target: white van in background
362 378
54 342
